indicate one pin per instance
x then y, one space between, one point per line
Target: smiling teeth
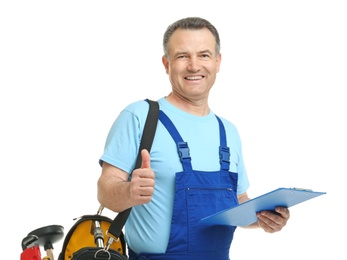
196 77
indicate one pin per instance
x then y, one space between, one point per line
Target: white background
67 68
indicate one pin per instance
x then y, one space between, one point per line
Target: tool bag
81 240
85 240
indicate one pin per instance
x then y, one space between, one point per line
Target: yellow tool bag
88 234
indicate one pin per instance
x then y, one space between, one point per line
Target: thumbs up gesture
143 181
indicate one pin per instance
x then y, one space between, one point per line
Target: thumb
146 159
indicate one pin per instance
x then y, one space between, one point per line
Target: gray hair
189 23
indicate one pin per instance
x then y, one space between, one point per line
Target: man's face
192 64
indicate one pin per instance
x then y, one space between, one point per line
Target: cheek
174 71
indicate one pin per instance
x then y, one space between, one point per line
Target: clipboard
245 213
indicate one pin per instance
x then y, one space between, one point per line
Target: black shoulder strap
117 224
149 130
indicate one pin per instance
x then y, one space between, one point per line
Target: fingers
142 186
273 221
143 181
146 159
284 212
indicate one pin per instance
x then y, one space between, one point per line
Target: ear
165 62
218 61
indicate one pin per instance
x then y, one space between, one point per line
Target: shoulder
229 126
232 133
137 110
136 113
137 107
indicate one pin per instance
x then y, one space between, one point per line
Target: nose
194 65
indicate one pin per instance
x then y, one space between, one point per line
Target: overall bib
198 194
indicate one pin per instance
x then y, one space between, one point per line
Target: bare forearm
114 193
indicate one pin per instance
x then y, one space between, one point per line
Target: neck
195 107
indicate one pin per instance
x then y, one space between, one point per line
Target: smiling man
174 188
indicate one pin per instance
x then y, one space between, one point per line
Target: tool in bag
44 236
86 240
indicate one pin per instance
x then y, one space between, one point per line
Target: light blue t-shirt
148 226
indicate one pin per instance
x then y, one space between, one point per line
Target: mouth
194 78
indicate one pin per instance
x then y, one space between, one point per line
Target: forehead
192 40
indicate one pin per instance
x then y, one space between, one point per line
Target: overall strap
224 150
183 149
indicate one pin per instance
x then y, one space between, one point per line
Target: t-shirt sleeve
123 140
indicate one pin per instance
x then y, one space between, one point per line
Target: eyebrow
208 51
185 52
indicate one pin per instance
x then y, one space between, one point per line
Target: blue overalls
198 194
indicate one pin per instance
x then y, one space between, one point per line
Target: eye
181 56
205 55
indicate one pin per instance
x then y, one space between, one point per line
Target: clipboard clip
303 189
